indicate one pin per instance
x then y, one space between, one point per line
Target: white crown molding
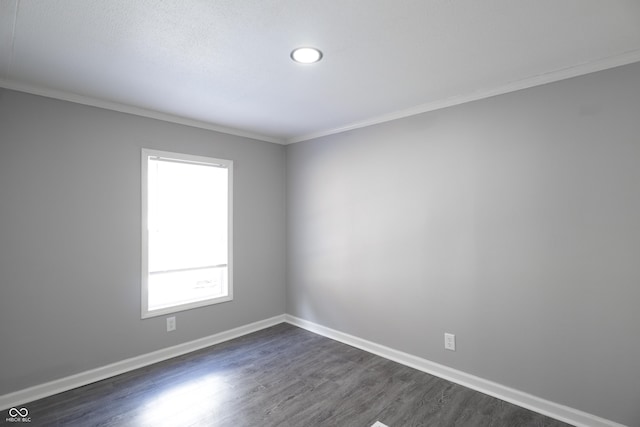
538 80
40 391
541 79
508 394
129 109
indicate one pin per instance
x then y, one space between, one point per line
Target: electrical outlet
379 424
171 323
450 341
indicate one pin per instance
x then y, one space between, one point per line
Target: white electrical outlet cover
171 324
450 341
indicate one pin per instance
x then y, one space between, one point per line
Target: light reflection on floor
183 404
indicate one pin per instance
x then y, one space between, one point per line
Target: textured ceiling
225 64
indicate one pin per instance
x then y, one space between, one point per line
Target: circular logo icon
22 412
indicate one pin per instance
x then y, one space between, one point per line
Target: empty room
299 213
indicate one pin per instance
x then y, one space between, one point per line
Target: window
186 232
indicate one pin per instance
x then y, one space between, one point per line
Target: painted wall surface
70 237
512 222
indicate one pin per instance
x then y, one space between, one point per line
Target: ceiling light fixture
306 55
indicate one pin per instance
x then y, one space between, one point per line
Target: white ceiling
224 64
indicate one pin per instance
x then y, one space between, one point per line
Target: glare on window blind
187 215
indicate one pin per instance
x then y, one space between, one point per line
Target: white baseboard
83 378
519 398
525 400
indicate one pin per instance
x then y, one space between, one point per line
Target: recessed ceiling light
306 55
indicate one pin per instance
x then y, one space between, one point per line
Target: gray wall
70 237
513 222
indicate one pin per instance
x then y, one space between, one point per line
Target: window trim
189 158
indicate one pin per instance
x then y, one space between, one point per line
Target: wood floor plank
282 376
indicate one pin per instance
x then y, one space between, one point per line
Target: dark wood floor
281 376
